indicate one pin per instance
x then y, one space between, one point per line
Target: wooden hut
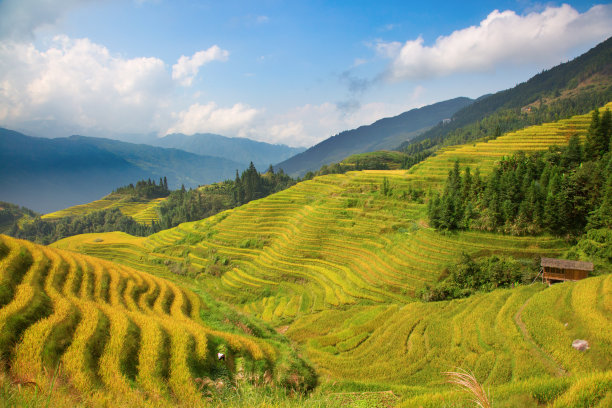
559 270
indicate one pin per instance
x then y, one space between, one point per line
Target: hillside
49 174
143 211
336 263
386 133
237 149
517 342
142 339
339 239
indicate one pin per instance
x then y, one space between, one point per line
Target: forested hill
383 134
50 174
237 149
571 88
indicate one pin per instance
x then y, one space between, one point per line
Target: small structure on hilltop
560 270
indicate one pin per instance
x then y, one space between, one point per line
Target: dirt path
535 349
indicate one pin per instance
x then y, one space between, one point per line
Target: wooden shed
559 270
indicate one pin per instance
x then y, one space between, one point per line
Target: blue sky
293 72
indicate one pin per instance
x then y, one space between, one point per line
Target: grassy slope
143 211
122 336
339 262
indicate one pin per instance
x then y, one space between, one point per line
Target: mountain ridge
384 134
79 169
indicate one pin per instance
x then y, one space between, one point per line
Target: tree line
146 189
181 205
195 204
560 191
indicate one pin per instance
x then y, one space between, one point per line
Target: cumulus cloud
78 82
185 70
502 38
211 118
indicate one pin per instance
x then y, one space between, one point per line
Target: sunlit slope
332 241
519 338
143 211
335 240
119 334
484 155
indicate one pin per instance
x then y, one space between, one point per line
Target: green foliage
559 191
381 160
48 231
146 189
11 213
596 246
469 276
196 204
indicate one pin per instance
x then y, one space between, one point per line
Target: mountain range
238 149
384 134
50 174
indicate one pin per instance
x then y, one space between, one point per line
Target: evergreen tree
573 154
605 130
593 148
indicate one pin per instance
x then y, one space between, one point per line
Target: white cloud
79 83
501 38
187 68
310 124
211 118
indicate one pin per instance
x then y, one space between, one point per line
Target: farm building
559 270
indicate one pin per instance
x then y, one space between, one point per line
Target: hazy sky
293 72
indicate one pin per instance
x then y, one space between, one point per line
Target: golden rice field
143 211
516 341
120 336
334 241
484 155
335 263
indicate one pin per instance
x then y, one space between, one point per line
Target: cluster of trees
561 191
365 161
11 213
181 206
484 275
195 204
48 231
146 189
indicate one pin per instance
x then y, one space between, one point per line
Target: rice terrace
467 265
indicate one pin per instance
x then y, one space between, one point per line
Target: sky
290 72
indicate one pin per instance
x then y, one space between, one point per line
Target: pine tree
593 148
573 154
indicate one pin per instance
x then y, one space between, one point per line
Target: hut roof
565 264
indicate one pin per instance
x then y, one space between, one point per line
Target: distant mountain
386 133
571 88
50 174
237 149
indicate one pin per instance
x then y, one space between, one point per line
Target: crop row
113 328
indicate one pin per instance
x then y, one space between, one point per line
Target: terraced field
121 336
337 261
329 242
484 155
143 212
336 240
516 339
